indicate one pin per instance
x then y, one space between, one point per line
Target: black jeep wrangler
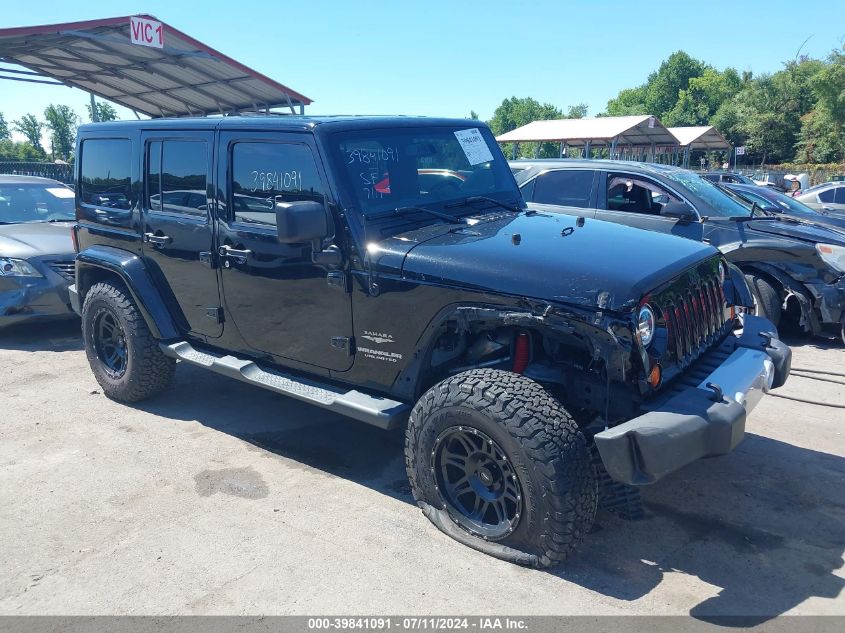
386 269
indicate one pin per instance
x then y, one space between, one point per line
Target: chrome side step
375 410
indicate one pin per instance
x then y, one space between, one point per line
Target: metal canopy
627 130
184 77
700 137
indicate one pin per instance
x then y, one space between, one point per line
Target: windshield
782 203
26 202
387 169
719 202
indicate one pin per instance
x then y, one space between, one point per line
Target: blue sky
447 58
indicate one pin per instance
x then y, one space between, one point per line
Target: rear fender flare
95 262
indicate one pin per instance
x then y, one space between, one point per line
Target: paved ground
220 498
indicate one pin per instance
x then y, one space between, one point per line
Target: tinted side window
105 173
570 187
826 195
266 173
839 198
631 194
176 178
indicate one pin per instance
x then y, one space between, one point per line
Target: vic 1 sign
146 32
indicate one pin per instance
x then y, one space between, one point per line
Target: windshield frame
507 190
723 204
63 206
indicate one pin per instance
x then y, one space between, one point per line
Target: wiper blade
437 214
749 218
474 199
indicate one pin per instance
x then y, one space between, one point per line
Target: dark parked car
507 343
784 205
36 252
829 196
789 266
724 177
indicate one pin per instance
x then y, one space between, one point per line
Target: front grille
695 318
65 269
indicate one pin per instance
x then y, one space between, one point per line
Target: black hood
804 232
545 257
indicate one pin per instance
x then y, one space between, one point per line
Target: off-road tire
766 298
148 371
550 456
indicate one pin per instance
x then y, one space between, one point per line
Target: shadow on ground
762 529
50 336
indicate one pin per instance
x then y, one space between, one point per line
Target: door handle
239 256
158 240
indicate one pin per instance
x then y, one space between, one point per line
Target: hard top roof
291 123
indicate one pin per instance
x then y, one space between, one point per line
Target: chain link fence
57 171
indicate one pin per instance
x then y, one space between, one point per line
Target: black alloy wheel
477 482
110 343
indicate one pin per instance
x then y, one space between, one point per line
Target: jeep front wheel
766 299
125 358
497 463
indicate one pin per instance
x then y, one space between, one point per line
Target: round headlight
722 273
645 326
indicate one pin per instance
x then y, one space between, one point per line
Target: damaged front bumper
25 299
705 417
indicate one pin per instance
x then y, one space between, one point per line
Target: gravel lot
220 498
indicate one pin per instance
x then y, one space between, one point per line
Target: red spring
521 352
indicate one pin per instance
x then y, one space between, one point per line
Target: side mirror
680 210
301 221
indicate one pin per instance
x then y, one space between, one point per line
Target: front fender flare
130 269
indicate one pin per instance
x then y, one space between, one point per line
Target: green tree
62 122
10 150
664 85
5 134
699 102
822 136
31 128
105 111
577 111
629 101
661 91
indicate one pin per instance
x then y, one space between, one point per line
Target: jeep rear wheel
494 455
124 356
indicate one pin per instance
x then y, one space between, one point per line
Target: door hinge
337 279
344 343
215 313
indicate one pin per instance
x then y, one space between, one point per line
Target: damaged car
530 358
36 251
795 270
